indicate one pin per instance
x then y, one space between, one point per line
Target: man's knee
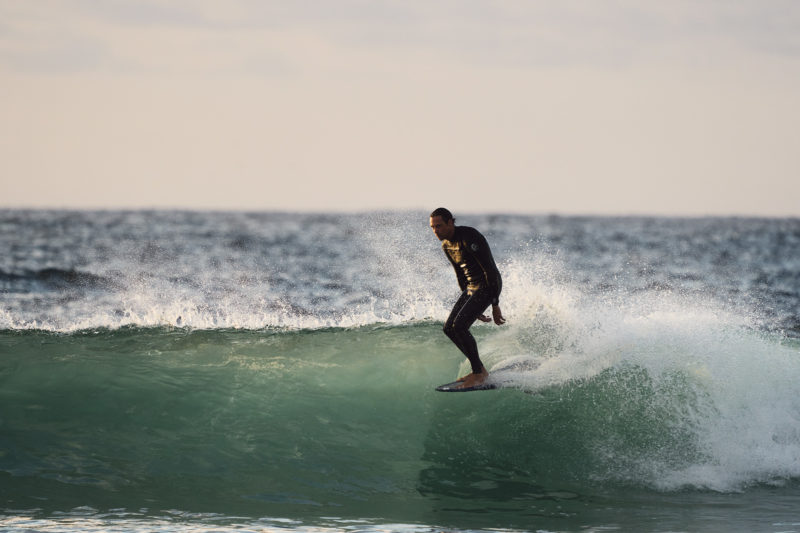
461 325
455 330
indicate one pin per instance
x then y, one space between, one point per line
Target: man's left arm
493 279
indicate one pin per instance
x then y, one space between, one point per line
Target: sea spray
673 391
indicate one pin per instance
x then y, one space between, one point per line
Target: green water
313 424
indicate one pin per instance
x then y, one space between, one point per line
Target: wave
178 393
346 419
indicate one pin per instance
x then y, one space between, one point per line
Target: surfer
480 284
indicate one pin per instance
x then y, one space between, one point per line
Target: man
480 283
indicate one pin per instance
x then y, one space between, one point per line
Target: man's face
441 229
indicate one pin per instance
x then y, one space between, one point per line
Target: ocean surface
201 371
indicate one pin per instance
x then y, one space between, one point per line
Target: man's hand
498 315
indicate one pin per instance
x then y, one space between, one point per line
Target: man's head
442 223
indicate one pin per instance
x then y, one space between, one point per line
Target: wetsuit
480 282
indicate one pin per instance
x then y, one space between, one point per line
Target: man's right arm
462 279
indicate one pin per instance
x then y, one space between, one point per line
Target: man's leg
466 310
449 324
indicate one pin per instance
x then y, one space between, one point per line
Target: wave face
284 366
346 421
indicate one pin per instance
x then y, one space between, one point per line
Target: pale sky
663 107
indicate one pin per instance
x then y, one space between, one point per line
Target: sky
609 107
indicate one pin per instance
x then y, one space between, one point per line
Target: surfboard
454 387
499 378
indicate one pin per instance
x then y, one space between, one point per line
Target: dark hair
446 215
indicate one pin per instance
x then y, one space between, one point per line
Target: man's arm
498 315
483 254
462 279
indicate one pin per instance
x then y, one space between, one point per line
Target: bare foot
474 380
464 378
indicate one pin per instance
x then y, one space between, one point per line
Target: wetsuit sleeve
483 254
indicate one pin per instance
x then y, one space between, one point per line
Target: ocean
223 371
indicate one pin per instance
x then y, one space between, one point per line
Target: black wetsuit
480 282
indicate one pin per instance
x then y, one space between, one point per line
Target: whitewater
191 371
